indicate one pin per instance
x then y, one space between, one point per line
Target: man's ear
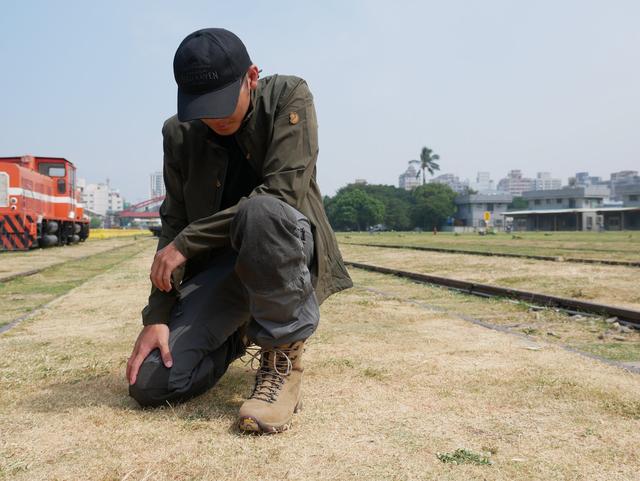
254 74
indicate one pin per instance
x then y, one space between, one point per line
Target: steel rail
502 254
485 290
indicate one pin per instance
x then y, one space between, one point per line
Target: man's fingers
131 358
154 272
133 370
165 353
161 274
135 367
166 278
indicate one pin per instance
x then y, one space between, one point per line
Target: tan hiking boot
276 393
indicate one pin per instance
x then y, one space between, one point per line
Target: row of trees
359 207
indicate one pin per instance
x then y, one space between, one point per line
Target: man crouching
246 253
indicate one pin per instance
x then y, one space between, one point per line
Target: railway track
35 309
502 254
32 272
627 316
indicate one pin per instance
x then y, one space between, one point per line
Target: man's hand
164 263
151 337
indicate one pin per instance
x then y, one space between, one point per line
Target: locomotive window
52 170
61 186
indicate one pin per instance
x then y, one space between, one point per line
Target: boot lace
274 366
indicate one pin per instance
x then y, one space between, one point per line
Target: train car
39 203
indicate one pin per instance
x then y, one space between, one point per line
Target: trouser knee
152 384
187 378
264 218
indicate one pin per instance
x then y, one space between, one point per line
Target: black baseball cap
209 66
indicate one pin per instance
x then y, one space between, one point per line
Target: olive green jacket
279 138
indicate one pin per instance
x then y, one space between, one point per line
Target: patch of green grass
615 351
464 456
339 362
510 281
626 408
373 373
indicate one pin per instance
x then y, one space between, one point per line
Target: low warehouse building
472 208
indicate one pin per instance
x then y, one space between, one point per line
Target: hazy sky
492 85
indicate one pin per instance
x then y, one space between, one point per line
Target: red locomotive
39 204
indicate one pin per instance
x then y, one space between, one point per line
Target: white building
515 183
483 183
100 198
409 180
156 185
452 181
543 181
471 209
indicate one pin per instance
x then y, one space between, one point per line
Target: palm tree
428 162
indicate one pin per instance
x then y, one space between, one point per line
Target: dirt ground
613 285
15 262
388 385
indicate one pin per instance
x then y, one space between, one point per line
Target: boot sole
249 424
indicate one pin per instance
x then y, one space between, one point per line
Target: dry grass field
393 378
615 285
15 262
590 245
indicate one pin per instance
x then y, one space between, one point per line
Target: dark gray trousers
262 281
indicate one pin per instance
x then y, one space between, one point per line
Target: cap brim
210 105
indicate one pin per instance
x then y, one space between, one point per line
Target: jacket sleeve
288 167
174 219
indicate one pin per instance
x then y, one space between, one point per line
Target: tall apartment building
483 183
452 181
543 181
409 179
156 185
515 183
100 198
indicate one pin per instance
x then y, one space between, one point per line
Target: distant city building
543 181
100 198
360 182
483 183
156 185
452 181
583 179
622 179
630 195
515 184
624 176
471 209
409 179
